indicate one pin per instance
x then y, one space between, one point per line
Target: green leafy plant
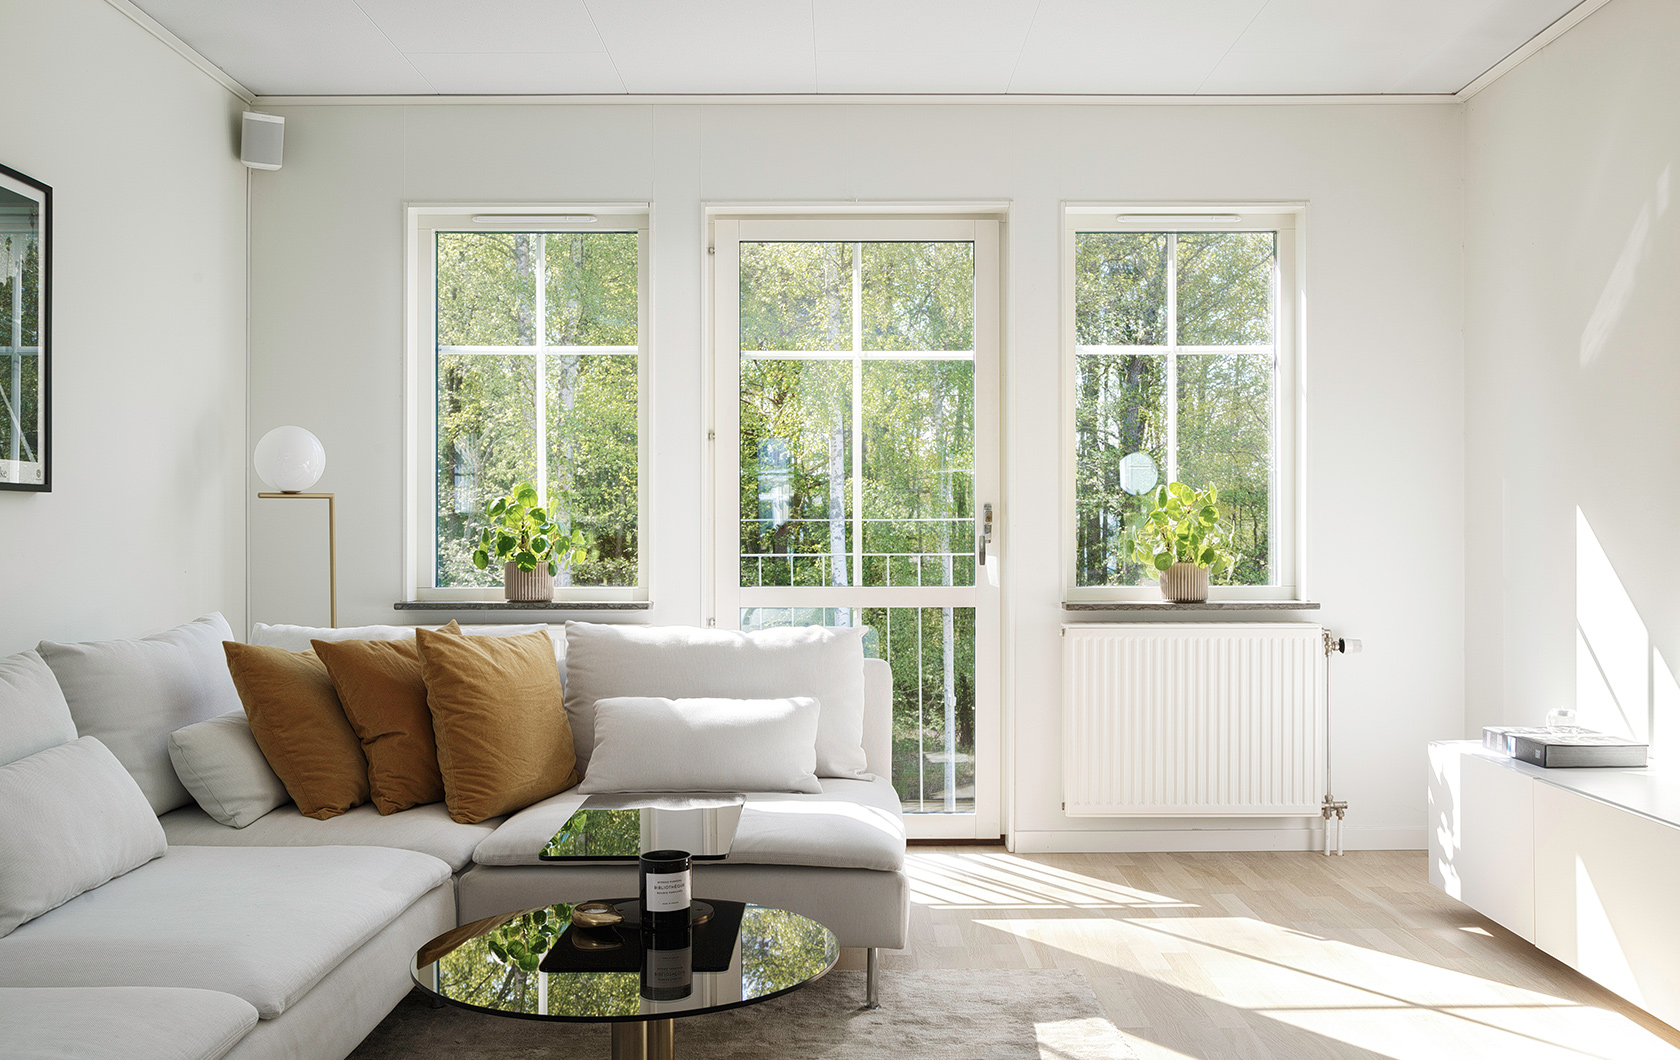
521 532
1182 527
522 940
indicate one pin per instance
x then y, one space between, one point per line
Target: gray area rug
999 1015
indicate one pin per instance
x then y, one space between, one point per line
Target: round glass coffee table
535 964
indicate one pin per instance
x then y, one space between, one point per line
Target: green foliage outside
1221 422
488 434
598 833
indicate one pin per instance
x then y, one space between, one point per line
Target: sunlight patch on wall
1612 646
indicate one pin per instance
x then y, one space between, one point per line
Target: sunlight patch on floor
996 881
1390 1004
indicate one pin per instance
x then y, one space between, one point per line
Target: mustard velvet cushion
384 698
300 726
499 717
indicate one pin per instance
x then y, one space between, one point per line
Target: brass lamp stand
332 541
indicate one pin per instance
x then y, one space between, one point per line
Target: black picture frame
17 192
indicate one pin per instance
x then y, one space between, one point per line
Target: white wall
1385 464
1572 369
145 524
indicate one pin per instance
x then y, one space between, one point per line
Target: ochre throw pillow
503 741
384 697
300 726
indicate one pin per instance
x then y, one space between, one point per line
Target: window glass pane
592 288
486 437
1121 409
1225 440
796 445
931 652
1225 288
20 361
1120 288
486 288
592 442
918 296
796 296
918 465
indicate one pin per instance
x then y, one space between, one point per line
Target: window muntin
529 369
1181 344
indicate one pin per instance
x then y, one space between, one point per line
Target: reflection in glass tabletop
636 981
622 827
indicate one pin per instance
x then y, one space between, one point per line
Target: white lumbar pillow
71 818
683 662
133 693
33 714
745 745
220 763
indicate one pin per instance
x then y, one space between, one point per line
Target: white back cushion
297 638
745 745
220 763
33 714
133 693
71 818
683 662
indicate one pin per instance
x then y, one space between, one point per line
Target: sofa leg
872 980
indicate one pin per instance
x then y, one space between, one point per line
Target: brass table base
644 1040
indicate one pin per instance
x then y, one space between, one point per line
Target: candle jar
667 963
666 890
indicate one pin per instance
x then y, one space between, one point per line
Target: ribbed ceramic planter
538 584
1185 583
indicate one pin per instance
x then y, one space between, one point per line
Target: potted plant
1182 541
530 546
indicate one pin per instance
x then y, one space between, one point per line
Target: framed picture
25 333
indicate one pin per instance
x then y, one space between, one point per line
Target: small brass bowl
596 915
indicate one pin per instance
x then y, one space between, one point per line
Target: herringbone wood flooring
1268 956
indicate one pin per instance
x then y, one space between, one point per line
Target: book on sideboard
1582 748
1498 737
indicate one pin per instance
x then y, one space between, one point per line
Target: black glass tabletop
537 964
622 827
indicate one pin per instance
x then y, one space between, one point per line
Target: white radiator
1202 720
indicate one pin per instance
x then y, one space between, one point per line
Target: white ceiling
1150 47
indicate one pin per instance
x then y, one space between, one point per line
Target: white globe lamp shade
290 459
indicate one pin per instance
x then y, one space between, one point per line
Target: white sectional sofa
291 937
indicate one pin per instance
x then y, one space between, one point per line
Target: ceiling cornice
1566 22
183 49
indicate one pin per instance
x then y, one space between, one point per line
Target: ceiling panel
527 73
910 26
1129 46
285 47
1134 47
914 71
717 46
552 26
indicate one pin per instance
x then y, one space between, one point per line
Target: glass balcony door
855 451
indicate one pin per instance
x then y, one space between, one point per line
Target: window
1183 360
526 364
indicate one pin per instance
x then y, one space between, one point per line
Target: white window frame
422 223
1288 220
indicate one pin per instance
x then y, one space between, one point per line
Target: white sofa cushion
33 714
426 829
71 818
682 662
121 1023
262 923
297 638
133 693
851 824
653 744
224 769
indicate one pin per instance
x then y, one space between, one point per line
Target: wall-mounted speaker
261 138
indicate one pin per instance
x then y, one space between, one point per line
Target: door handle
983 539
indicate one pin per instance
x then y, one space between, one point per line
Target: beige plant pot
1185 583
526 586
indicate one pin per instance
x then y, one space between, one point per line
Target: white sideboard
1584 863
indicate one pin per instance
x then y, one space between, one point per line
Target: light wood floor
1268 956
